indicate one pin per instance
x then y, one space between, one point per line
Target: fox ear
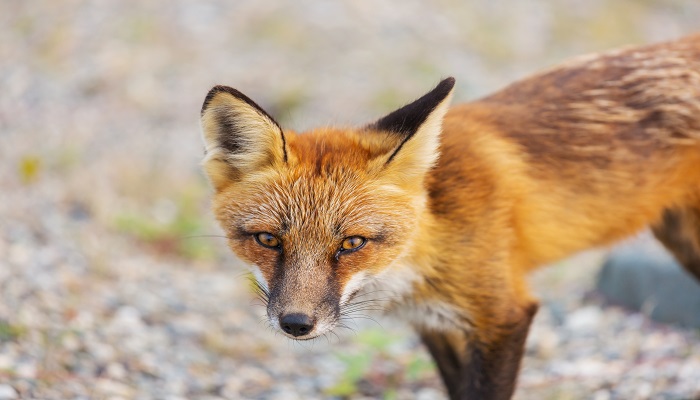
239 136
415 128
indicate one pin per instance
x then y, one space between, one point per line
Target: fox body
437 214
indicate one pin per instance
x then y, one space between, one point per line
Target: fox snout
303 302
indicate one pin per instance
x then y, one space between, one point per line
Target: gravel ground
113 284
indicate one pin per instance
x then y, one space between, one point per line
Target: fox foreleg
483 362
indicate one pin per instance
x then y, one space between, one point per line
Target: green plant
10 331
182 232
374 349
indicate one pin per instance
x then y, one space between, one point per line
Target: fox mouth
325 318
355 307
294 325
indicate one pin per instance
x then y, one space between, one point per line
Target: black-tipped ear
239 136
407 119
414 131
235 93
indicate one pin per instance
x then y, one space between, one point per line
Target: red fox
440 212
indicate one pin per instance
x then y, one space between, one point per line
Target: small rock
26 370
190 325
254 376
148 364
6 362
543 341
116 371
590 368
71 342
114 388
644 390
83 320
127 319
101 352
601 395
429 394
7 392
643 276
584 320
19 254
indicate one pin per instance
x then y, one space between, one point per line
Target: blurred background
111 288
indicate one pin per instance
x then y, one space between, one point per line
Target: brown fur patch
679 231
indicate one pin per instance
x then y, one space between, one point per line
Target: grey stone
7 392
643 276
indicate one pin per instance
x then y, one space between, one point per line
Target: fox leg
482 364
447 349
679 231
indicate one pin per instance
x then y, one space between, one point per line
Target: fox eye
352 243
267 240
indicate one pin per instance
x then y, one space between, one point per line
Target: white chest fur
392 291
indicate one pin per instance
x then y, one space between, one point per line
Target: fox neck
400 280
407 286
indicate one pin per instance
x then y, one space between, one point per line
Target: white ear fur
416 128
239 137
413 158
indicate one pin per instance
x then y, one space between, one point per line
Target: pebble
584 320
26 369
7 392
601 395
6 361
110 387
116 371
544 341
127 319
429 394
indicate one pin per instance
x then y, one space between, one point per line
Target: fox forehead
329 147
282 204
327 184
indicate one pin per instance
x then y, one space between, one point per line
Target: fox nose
296 324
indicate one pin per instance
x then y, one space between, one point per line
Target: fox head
318 215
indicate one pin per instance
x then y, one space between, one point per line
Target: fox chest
396 292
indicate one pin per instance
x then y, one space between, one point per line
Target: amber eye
267 240
352 243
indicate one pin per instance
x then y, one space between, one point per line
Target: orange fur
575 157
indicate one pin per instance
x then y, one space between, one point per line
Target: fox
437 214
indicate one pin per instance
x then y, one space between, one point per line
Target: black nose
296 324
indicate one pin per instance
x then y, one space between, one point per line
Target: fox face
319 215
